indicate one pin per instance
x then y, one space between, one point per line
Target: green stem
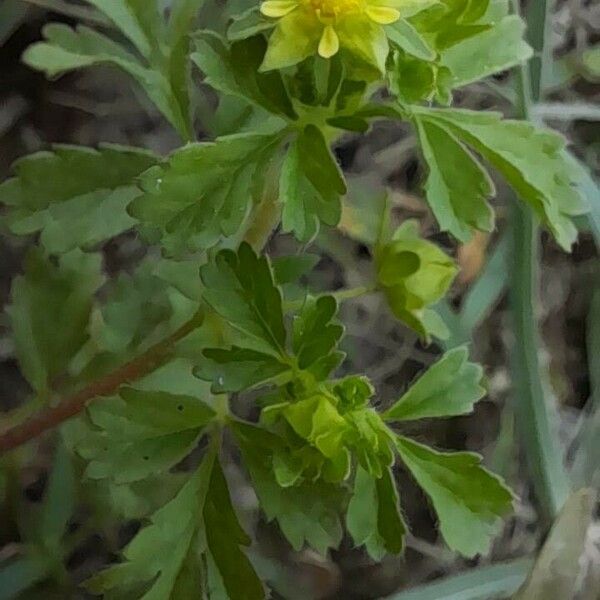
534 416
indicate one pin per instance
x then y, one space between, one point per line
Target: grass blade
532 411
483 583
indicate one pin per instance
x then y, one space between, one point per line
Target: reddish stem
69 407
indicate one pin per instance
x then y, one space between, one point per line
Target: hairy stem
72 405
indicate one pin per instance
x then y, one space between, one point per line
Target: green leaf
142 433
318 162
248 24
67 172
310 186
405 36
531 159
415 274
224 536
315 336
49 312
240 287
238 369
129 17
134 308
448 388
201 193
457 186
22 573
66 49
289 269
159 552
451 21
77 197
373 517
182 21
414 80
307 513
59 501
488 53
365 39
234 70
165 46
469 501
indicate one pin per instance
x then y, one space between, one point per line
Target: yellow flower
308 27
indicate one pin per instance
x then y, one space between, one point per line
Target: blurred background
102 105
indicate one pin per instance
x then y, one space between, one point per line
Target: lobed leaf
203 191
157 555
315 336
307 513
239 369
469 501
233 70
373 518
240 287
492 51
531 159
457 186
49 312
448 388
224 536
310 186
142 433
76 197
66 49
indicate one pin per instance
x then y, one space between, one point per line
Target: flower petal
382 14
330 43
278 8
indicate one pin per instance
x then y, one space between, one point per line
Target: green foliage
318 453
492 51
142 433
469 501
414 274
307 513
457 186
76 197
312 430
311 185
531 160
164 560
159 61
201 192
49 313
44 533
234 70
450 387
374 519
316 335
241 288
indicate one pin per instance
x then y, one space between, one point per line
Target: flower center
329 10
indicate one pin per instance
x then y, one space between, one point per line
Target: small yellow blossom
307 27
